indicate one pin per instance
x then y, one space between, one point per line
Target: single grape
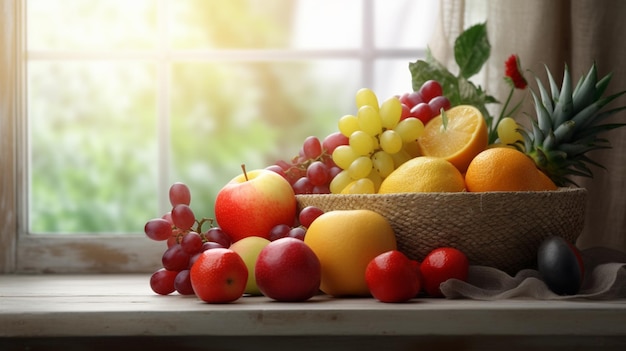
208 245
277 169
303 186
312 147
283 164
182 283
158 229
508 131
175 258
390 141
361 186
438 103
294 173
321 189
406 112
366 97
308 214
339 182
162 281
279 231
383 163
369 120
423 112
430 90
318 173
191 243
297 232
410 129
344 155
348 124
332 141
183 217
400 157
376 179
390 112
179 194
168 217
413 98
216 234
193 259
360 168
333 171
361 143
173 240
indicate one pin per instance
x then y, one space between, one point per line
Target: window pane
225 114
92 146
392 76
238 24
91 25
406 24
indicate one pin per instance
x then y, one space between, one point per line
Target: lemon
345 241
423 174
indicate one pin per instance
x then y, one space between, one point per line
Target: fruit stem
243 167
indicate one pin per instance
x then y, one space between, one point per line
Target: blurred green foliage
95 152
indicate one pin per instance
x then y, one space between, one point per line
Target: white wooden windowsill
121 308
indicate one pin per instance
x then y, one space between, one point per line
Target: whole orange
345 241
457 138
219 276
505 169
440 265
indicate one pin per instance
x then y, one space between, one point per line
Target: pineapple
567 125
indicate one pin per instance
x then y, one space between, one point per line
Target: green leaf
472 49
421 71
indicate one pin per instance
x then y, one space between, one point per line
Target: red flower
512 72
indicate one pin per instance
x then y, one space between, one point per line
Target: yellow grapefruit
345 241
423 174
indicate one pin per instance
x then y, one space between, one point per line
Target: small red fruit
440 265
287 269
393 277
219 276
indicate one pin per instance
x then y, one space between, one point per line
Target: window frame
22 252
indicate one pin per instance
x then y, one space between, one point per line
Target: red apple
393 277
288 270
253 203
219 276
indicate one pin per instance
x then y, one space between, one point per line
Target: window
106 103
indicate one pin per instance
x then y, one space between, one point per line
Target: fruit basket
497 229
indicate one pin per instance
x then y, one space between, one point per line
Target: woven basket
497 229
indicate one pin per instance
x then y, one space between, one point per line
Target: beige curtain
552 33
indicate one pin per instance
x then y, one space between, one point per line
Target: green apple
249 248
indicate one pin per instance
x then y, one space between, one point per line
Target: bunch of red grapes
313 169
425 103
186 240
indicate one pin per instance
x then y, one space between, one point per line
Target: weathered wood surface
49 310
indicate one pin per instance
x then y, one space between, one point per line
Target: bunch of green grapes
378 144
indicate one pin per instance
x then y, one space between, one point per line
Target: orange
423 174
464 136
345 241
440 265
505 169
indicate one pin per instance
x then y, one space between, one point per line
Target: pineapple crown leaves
568 124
